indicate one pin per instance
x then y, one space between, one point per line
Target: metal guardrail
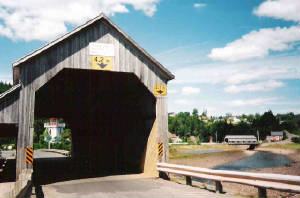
262 181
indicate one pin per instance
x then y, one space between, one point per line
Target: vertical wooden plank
115 41
145 74
127 58
121 55
138 66
75 50
83 46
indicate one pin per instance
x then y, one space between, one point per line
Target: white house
55 128
275 136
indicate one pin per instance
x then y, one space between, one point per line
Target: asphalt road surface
56 176
123 186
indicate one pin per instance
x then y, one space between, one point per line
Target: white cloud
6 78
288 10
45 20
257 44
183 102
271 68
199 5
250 102
173 91
252 87
189 90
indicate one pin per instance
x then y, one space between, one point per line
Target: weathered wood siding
73 52
9 108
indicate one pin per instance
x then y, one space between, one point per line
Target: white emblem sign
101 49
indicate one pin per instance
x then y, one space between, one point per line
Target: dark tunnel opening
8 142
110 115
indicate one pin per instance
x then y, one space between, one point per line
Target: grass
293 146
178 151
185 147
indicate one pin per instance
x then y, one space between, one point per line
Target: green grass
293 146
178 151
184 147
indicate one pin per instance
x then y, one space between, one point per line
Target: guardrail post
262 192
188 180
219 187
164 175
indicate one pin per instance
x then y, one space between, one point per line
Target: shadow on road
52 170
8 174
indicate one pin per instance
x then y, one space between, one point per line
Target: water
259 160
203 151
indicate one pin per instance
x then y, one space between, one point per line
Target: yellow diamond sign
102 62
160 90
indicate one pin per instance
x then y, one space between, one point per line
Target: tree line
4 86
186 124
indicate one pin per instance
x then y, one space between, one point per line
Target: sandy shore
215 159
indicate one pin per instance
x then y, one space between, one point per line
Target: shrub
284 135
189 141
295 140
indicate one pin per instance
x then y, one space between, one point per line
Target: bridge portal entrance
110 114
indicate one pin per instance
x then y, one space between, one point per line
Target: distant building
172 114
203 118
275 136
233 120
174 138
240 139
55 128
194 139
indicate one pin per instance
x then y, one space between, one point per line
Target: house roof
276 133
88 23
240 137
171 135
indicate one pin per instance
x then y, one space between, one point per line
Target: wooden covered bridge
109 90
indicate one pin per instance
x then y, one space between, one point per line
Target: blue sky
237 56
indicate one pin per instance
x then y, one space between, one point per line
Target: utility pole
257 132
216 136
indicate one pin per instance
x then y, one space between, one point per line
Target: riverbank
229 154
181 154
291 169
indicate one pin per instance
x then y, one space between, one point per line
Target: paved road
123 186
43 153
46 154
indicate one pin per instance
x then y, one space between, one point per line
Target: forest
185 124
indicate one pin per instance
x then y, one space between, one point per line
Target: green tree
4 86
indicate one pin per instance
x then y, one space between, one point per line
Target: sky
233 56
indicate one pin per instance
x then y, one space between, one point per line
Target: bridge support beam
162 125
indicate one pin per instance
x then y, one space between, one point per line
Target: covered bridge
109 90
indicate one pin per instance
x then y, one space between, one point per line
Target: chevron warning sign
29 155
160 149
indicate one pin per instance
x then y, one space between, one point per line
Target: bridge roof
11 90
87 24
240 136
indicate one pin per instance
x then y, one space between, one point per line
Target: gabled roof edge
12 89
101 16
